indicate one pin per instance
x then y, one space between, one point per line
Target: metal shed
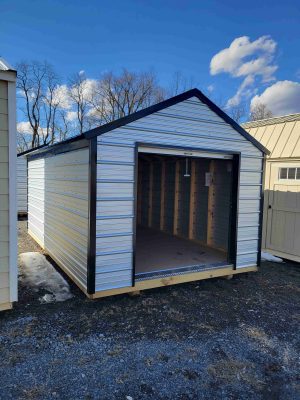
22 184
170 194
8 211
281 223
22 179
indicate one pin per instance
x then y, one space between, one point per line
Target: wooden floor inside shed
159 251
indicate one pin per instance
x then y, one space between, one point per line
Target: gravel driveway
213 339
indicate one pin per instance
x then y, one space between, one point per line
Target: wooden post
192 213
140 193
176 198
150 206
162 196
211 203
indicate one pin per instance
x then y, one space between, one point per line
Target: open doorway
183 214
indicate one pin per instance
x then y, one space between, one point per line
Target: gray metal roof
272 121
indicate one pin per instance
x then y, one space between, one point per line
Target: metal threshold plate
180 271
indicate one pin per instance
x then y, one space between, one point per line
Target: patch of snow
270 257
38 273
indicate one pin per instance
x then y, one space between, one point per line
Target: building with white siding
22 180
22 184
170 194
8 210
281 223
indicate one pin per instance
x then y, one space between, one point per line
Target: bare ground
213 339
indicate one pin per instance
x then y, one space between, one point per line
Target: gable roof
170 102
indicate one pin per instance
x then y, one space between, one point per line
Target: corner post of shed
91 255
261 212
234 210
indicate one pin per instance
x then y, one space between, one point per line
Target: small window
283 173
291 173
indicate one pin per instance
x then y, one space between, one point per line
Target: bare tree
260 111
39 88
51 104
63 128
22 142
237 112
180 83
81 94
119 95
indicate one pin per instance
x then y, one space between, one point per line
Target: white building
8 209
169 194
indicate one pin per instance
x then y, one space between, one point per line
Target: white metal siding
36 195
4 198
58 208
22 184
186 124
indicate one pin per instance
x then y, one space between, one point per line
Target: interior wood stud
192 212
176 198
211 203
150 209
162 195
140 193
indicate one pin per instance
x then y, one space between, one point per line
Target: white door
283 209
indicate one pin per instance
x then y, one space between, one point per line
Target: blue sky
167 36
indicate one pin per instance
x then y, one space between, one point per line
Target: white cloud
248 60
82 72
210 88
282 98
235 59
87 89
243 91
61 96
71 115
25 128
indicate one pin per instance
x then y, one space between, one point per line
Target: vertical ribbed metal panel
58 206
36 196
22 184
66 211
187 124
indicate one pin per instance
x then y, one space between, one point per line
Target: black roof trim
31 150
58 147
170 102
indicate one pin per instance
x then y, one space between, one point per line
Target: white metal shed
170 194
22 184
22 179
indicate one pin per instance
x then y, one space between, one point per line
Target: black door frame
234 204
